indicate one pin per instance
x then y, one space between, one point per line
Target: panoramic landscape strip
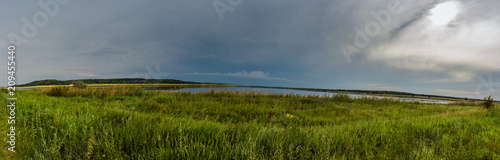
118 121
250 79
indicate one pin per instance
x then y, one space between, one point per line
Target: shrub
488 102
57 91
80 85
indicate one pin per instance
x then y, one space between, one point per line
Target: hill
106 81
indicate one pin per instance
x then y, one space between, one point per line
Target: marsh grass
130 123
64 91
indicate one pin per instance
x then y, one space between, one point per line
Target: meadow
118 122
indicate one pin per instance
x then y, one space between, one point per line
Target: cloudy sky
422 46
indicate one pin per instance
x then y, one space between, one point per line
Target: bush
80 85
57 91
488 102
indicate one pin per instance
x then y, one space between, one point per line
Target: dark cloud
282 43
422 12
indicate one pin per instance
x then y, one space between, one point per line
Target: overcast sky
420 46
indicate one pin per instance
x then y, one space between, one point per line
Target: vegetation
144 82
377 92
106 81
488 102
94 92
80 85
130 123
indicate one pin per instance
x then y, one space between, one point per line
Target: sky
442 47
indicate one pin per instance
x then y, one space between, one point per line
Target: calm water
300 92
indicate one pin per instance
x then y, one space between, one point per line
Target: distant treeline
107 81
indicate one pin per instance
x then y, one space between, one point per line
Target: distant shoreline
377 92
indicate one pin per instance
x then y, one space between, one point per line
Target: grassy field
131 123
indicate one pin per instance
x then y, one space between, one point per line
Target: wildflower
288 115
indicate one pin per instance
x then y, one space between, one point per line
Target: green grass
117 123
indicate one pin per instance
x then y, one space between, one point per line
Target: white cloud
457 93
134 75
242 74
461 50
383 87
86 74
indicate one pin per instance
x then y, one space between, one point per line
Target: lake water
302 93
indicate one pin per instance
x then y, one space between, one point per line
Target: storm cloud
290 43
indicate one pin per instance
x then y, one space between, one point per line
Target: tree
488 102
80 85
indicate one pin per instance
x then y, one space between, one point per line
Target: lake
302 93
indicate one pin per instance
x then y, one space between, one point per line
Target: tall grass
114 123
64 91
